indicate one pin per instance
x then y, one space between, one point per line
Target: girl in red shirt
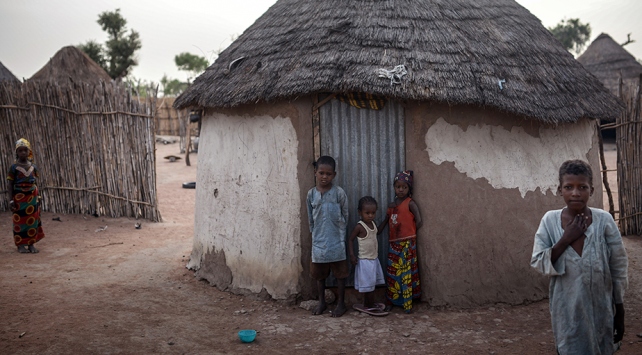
402 272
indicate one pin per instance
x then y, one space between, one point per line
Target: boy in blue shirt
328 217
581 249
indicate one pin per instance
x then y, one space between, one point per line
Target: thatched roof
6 74
71 63
455 51
607 60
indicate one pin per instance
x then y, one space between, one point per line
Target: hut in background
70 63
608 61
7 75
476 97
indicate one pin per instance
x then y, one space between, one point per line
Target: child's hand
576 228
12 206
354 260
618 323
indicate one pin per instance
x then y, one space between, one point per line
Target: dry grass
70 64
7 75
455 52
608 60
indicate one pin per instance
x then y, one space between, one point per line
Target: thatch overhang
608 60
490 53
7 75
71 63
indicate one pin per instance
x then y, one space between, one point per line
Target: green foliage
572 34
118 55
172 87
95 51
112 23
140 87
191 63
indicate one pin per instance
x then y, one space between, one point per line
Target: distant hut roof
6 74
607 60
71 63
455 51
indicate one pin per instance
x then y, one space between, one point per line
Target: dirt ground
126 291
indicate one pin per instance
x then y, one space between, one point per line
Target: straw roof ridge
607 60
71 63
454 51
6 74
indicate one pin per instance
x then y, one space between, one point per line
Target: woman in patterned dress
27 229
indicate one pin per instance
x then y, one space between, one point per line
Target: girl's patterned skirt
402 274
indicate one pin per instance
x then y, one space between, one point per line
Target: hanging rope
394 75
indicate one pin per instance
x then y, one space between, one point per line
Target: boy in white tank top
368 272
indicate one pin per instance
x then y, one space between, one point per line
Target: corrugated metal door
369 148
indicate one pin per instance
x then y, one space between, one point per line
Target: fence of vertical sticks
172 122
93 145
168 120
628 132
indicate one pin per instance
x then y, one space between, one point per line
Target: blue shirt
328 216
583 288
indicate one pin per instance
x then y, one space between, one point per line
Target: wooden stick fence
172 122
93 145
168 120
629 162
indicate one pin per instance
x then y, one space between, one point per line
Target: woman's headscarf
405 176
24 143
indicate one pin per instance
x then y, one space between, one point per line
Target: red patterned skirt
27 228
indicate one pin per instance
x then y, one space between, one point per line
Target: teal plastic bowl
247 335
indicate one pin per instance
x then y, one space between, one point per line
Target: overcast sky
32 31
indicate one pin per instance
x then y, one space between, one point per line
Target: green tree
95 51
118 55
191 63
172 87
572 34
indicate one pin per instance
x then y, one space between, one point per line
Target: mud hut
608 61
70 63
7 75
476 97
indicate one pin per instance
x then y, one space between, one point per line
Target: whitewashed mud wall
248 203
483 180
510 159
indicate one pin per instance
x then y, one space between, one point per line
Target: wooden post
605 178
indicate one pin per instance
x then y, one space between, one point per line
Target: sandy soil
126 291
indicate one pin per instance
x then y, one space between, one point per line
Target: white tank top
368 246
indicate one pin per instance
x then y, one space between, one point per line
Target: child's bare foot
388 308
23 249
319 309
340 310
33 249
